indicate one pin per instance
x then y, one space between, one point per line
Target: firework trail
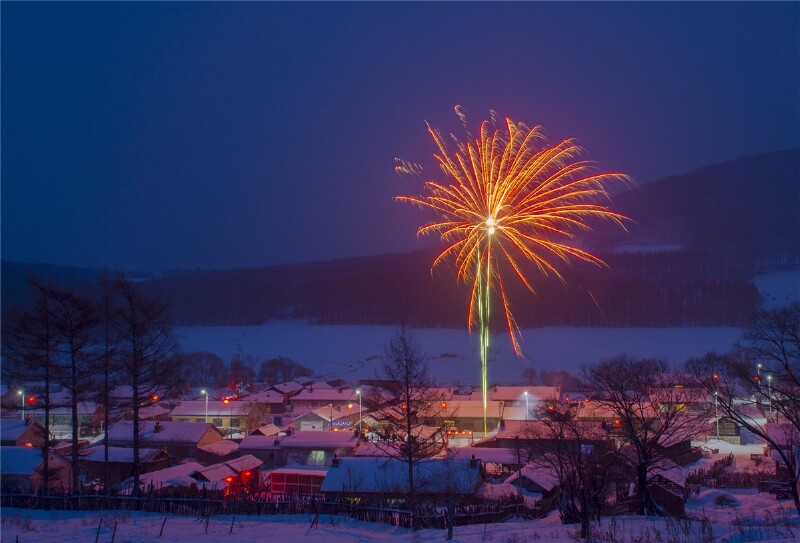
511 204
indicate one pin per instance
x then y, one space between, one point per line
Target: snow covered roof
19 460
84 408
298 470
320 394
12 429
171 432
267 430
116 454
390 476
539 475
259 443
223 447
267 396
338 412
172 476
216 408
289 387
314 440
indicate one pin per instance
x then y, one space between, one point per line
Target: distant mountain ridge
722 224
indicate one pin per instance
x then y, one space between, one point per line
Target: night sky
154 136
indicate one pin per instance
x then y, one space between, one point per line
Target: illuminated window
217 422
316 458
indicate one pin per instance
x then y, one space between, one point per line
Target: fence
428 517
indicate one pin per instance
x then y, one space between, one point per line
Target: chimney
157 428
473 461
502 424
335 461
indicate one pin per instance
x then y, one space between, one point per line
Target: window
217 422
235 423
199 420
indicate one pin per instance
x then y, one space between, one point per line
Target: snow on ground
745 519
778 288
354 352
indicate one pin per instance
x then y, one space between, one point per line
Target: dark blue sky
152 136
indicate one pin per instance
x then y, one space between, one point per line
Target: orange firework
512 200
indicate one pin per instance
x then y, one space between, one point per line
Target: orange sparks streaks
509 201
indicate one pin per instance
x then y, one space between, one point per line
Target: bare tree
763 374
580 455
650 412
146 344
28 344
406 401
75 319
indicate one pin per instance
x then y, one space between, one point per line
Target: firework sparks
512 203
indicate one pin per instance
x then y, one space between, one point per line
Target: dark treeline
684 288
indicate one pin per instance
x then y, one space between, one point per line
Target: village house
296 481
329 418
387 478
265 448
21 470
322 395
180 439
20 433
228 416
120 462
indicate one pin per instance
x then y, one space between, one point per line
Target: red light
335 429
551 408
229 479
245 474
756 378
586 400
154 397
349 406
443 405
31 400
405 406
448 432
226 401
470 432
617 422
28 445
716 376
567 399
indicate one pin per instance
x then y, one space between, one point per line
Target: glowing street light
526 405
716 413
205 393
331 406
21 393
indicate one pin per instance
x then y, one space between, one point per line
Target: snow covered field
746 517
354 352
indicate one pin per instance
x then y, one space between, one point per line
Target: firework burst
512 203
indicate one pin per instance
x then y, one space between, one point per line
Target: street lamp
331 424
204 393
758 369
716 415
21 393
358 393
526 405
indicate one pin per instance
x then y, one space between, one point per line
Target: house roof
117 454
267 430
539 475
169 432
216 408
315 440
12 429
289 387
259 443
267 396
320 394
223 447
19 460
390 476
